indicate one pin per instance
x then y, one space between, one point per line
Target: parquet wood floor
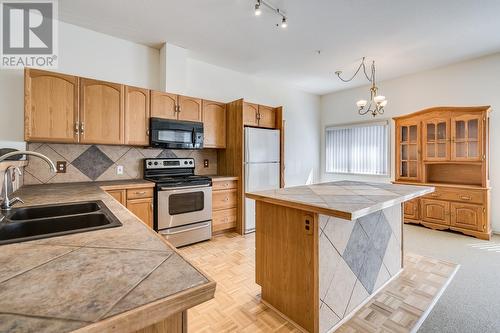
230 260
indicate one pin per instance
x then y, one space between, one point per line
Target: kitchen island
122 279
323 250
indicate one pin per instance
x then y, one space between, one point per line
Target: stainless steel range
183 200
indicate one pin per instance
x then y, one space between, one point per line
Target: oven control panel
168 163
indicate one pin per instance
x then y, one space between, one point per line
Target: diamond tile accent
369 272
166 154
93 162
357 247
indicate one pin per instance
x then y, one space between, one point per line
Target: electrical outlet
205 163
119 170
61 166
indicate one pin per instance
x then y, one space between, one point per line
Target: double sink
36 222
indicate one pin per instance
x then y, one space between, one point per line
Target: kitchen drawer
223 199
467 196
223 184
223 219
139 193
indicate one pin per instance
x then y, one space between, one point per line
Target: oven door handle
183 187
185 230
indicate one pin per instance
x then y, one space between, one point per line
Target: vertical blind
359 149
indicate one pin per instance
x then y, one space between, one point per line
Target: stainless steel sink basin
36 222
39 212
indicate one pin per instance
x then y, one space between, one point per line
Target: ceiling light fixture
258 12
377 101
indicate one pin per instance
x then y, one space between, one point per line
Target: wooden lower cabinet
138 200
458 209
411 209
435 211
468 216
224 204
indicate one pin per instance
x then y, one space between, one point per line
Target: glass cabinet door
467 138
436 140
408 138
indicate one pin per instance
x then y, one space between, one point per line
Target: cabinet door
214 124
136 116
143 209
467 138
467 216
408 150
163 105
250 114
101 112
51 107
119 195
436 146
411 211
266 116
189 108
435 211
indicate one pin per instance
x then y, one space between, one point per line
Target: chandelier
377 102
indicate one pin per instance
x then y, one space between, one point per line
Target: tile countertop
348 200
122 278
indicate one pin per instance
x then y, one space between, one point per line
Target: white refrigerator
262 166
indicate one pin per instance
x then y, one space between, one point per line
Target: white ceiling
403 36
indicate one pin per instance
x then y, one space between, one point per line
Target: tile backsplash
100 162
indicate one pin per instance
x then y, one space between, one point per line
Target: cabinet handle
141 193
82 127
465 197
76 128
226 199
177 108
435 194
147 131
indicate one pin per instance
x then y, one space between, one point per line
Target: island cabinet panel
286 242
455 160
214 124
163 105
137 106
101 112
51 107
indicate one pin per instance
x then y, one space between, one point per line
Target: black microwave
175 134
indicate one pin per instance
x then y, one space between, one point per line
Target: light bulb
361 103
283 23
258 11
379 99
383 103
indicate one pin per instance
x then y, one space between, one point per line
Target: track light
258 10
284 24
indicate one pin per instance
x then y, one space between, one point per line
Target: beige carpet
471 303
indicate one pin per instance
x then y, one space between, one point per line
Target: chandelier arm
370 79
361 65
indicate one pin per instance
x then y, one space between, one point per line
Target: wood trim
446 108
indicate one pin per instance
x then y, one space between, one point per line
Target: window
358 149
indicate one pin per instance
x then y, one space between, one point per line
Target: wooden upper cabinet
214 124
436 136
267 116
136 116
408 150
101 112
467 137
51 107
163 105
250 114
189 108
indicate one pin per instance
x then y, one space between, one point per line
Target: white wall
82 52
475 82
301 112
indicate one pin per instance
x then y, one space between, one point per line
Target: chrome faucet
6 202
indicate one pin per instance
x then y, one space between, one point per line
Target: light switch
119 170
